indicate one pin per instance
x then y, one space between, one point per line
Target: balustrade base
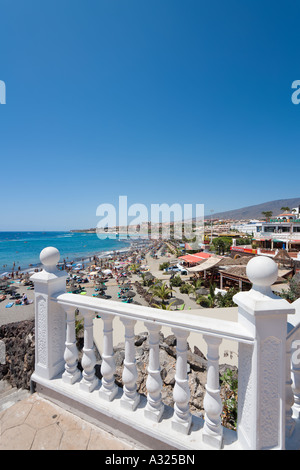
182 427
296 411
214 441
114 417
108 395
71 378
130 404
86 386
154 414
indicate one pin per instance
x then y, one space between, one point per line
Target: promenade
38 424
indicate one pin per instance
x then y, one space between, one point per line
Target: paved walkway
38 424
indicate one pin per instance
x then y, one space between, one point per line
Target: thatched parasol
130 294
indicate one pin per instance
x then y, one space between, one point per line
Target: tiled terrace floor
35 424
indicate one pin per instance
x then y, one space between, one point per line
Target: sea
22 249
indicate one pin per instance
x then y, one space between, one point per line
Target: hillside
255 212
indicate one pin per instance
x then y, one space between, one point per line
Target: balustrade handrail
184 320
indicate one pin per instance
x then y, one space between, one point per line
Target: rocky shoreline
19 341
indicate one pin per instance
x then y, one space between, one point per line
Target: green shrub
176 281
229 381
225 300
184 288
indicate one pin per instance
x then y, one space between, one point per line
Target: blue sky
164 101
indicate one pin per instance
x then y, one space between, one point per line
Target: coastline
19 251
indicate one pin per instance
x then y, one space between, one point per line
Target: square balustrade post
50 319
262 365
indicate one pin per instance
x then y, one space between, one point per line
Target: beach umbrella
202 291
11 289
4 274
176 302
129 294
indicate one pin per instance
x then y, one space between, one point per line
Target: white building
282 231
253 227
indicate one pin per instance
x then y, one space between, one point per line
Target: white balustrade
267 389
182 418
89 380
154 408
212 432
72 374
130 398
108 389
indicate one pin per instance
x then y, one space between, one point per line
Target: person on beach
24 299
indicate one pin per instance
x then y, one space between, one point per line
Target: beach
151 256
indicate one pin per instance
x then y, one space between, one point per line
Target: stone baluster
72 374
130 398
212 431
154 408
89 380
262 365
108 389
182 418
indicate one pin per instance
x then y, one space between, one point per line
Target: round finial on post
262 271
49 258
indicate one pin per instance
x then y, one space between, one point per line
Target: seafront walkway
38 424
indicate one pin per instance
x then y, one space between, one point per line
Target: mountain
255 212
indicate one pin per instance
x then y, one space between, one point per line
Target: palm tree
163 306
191 289
161 291
267 214
134 267
285 209
197 283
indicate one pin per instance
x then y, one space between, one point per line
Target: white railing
268 393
